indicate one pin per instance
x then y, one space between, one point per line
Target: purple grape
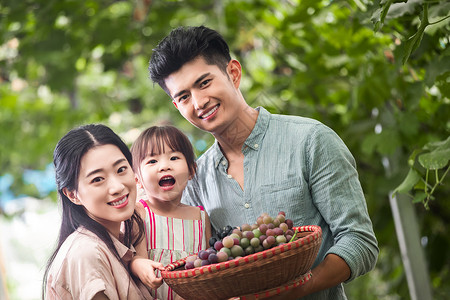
213 258
218 245
189 265
205 262
203 255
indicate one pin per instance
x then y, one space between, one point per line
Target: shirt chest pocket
288 194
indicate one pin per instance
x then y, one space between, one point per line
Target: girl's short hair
153 140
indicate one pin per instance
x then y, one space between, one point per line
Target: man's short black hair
183 45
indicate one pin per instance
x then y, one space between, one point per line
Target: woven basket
250 274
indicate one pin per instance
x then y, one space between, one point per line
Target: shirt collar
255 138
125 253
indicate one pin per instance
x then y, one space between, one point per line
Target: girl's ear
72 196
138 182
192 173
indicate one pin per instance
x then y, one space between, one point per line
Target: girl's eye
151 161
122 169
174 158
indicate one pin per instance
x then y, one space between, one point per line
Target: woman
97 190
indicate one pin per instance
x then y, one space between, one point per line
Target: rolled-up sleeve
337 194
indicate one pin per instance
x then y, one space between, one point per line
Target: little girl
164 161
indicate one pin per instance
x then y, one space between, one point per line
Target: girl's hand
144 268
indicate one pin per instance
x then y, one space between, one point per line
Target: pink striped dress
169 239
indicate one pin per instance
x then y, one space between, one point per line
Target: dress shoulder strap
144 203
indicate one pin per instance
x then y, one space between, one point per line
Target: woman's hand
144 268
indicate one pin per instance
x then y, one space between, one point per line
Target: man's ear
72 196
234 70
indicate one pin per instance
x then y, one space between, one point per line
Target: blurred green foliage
377 72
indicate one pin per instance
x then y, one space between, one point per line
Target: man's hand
145 269
330 272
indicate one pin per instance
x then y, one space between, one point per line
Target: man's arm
332 271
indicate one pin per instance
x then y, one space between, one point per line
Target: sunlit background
378 74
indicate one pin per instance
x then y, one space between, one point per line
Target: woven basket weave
249 274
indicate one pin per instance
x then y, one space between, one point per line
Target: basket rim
316 233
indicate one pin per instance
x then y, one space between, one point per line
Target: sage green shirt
296 165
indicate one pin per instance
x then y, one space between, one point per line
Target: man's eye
182 98
205 82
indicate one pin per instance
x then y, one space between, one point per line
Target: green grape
255 242
228 242
245 242
256 232
237 250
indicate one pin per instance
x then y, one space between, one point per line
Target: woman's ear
72 196
234 70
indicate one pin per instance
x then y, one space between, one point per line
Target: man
262 162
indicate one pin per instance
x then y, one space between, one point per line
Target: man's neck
233 137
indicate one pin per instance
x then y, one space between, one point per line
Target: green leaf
409 182
412 157
435 160
414 41
440 145
384 11
419 197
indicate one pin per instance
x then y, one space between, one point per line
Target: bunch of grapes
232 242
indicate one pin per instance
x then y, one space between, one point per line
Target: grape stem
293 236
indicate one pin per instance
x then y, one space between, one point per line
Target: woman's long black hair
67 160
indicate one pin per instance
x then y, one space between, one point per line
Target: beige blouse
85 266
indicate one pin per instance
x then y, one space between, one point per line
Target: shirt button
256 145
246 205
224 162
229 176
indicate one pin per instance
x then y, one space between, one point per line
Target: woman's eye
96 179
122 169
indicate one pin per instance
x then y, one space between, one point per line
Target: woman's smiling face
106 186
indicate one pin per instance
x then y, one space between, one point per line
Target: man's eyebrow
119 161
195 83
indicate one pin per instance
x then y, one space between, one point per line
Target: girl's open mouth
167 181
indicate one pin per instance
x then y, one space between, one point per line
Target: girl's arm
140 265
207 229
